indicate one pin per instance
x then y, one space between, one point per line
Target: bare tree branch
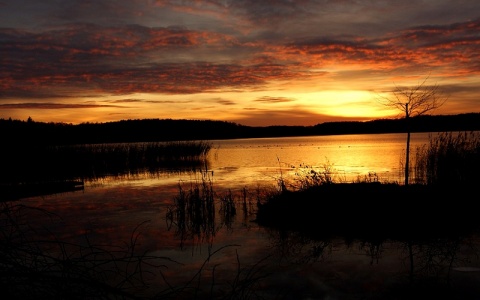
414 101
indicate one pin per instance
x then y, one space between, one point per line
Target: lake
231 249
249 161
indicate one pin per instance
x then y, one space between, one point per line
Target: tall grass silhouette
449 159
38 170
446 169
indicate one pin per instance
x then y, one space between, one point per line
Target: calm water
109 210
247 161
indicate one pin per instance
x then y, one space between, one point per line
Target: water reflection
369 265
388 269
299 265
236 163
198 211
249 161
43 170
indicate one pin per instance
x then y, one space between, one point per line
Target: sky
251 62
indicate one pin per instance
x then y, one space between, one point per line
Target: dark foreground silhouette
427 227
433 227
374 210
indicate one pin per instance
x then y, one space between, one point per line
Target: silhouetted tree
414 101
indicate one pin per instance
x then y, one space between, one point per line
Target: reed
436 205
228 208
198 211
193 210
91 161
450 159
307 176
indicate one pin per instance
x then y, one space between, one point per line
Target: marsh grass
197 214
41 265
448 168
193 211
198 211
40 169
449 159
432 220
228 209
307 176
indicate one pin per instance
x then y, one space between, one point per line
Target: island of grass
441 201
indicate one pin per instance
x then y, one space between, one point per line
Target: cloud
134 58
459 88
49 105
127 101
148 101
120 60
291 117
267 99
427 46
225 102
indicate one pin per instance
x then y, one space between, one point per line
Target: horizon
253 63
223 121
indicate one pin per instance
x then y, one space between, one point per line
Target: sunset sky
252 62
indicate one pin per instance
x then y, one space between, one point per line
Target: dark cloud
148 101
430 46
89 46
270 12
267 99
459 88
440 34
225 102
293 117
48 105
117 60
122 59
162 78
127 101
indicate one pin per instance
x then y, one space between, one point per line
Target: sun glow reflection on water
263 161
346 156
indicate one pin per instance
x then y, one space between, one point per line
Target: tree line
18 132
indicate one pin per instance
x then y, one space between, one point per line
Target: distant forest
146 130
